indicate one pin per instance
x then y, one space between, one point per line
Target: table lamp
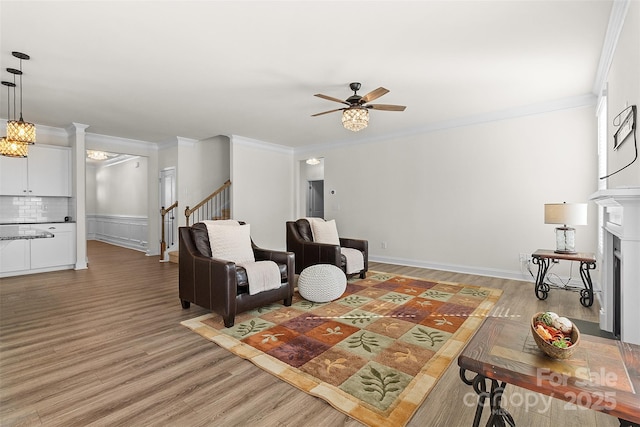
565 213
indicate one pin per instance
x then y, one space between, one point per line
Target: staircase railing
167 224
214 206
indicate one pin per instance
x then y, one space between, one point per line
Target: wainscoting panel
127 231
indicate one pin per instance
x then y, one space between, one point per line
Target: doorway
311 188
116 205
315 199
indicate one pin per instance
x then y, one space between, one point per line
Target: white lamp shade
565 213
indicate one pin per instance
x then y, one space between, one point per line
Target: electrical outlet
383 245
524 257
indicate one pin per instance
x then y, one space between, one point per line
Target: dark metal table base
542 288
499 417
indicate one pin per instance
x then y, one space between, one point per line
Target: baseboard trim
120 230
490 272
477 271
122 243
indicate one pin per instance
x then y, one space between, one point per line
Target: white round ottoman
322 283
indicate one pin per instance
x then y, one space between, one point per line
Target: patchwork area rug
374 354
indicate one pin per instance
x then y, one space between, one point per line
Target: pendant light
12 148
19 130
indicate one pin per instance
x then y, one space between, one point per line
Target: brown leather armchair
300 241
222 286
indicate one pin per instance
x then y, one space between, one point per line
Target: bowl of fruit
557 336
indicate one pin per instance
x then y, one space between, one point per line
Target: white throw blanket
262 276
355 260
231 241
322 232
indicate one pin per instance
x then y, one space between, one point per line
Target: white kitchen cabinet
49 171
14 255
56 251
45 172
36 255
13 176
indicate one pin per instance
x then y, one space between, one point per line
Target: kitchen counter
37 222
17 232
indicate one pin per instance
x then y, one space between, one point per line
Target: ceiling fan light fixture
355 118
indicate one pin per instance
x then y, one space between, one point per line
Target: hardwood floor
104 346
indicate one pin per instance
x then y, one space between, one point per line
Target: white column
76 132
153 203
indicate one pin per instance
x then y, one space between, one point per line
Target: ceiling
154 70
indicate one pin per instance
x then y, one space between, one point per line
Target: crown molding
118 160
176 141
75 128
118 144
580 101
614 28
186 142
52 131
254 143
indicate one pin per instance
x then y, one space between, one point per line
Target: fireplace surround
620 264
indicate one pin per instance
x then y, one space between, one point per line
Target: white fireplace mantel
622 220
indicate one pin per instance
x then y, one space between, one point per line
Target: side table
542 258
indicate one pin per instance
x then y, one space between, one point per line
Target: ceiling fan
355 117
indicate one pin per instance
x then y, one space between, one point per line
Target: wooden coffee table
603 374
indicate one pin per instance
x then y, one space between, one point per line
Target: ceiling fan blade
374 94
326 112
331 98
386 107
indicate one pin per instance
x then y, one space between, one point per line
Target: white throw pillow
231 243
325 232
222 222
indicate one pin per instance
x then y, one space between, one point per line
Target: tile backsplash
19 209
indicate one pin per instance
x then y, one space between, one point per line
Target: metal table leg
499 417
586 294
542 289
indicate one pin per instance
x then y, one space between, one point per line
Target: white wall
624 90
91 202
122 188
168 155
262 182
469 198
203 166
